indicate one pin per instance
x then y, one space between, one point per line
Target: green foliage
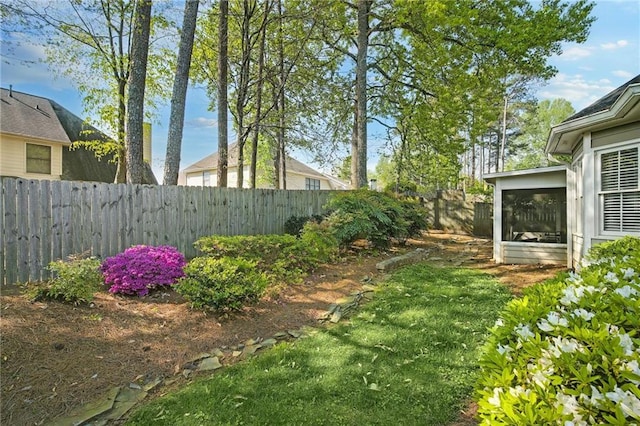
535 131
282 258
375 216
568 351
407 357
75 281
221 284
317 244
294 224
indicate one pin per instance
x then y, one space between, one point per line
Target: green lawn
407 357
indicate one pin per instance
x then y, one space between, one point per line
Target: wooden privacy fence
42 220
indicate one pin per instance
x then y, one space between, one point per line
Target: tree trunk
121 170
135 110
243 89
282 152
176 119
361 92
259 87
223 142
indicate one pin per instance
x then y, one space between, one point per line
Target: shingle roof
211 162
30 116
37 117
605 102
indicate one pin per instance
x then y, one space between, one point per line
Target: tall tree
135 112
90 43
535 130
223 134
360 154
178 98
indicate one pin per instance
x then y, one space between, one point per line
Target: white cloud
618 44
622 73
203 122
576 89
575 53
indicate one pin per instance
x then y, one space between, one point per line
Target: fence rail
42 221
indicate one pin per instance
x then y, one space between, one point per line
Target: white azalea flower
626 343
634 368
628 273
504 349
626 291
524 331
583 313
629 403
569 404
499 323
611 277
495 399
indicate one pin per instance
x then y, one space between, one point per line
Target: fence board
10 231
45 228
23 229
35 229
43 221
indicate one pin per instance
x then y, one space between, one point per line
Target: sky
586 72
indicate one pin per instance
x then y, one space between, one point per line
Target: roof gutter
619 108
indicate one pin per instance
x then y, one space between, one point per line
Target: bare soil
55 357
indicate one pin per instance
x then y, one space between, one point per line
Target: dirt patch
56 357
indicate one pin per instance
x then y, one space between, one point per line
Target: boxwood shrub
221 284
568 351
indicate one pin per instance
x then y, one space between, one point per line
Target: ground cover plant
75 280
376 216
141 268
407 357
568 352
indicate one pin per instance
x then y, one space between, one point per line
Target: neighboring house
593 199
35 142
298 175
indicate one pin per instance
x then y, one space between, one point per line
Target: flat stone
250 350
90 410
295 333
398 261
269 342
281 335
209 364
200 356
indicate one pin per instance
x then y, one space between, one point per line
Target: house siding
294 180
615 135
534 253
13 158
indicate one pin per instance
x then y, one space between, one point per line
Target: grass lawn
407 357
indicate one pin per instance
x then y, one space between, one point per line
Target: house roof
493 177
210 162
30 116
41 118
616 108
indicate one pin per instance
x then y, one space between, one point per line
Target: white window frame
49 160
308 181
598 187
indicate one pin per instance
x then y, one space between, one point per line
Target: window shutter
619 183
631 211
619 170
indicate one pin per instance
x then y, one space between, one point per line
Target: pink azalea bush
141 268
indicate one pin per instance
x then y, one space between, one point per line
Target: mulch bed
56 357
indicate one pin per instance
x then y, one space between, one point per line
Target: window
206 178
620 191
311 183
38 159
535 215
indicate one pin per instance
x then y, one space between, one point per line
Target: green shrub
295 224
75 280
317 244
221 284
568 351
375 216
263 248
